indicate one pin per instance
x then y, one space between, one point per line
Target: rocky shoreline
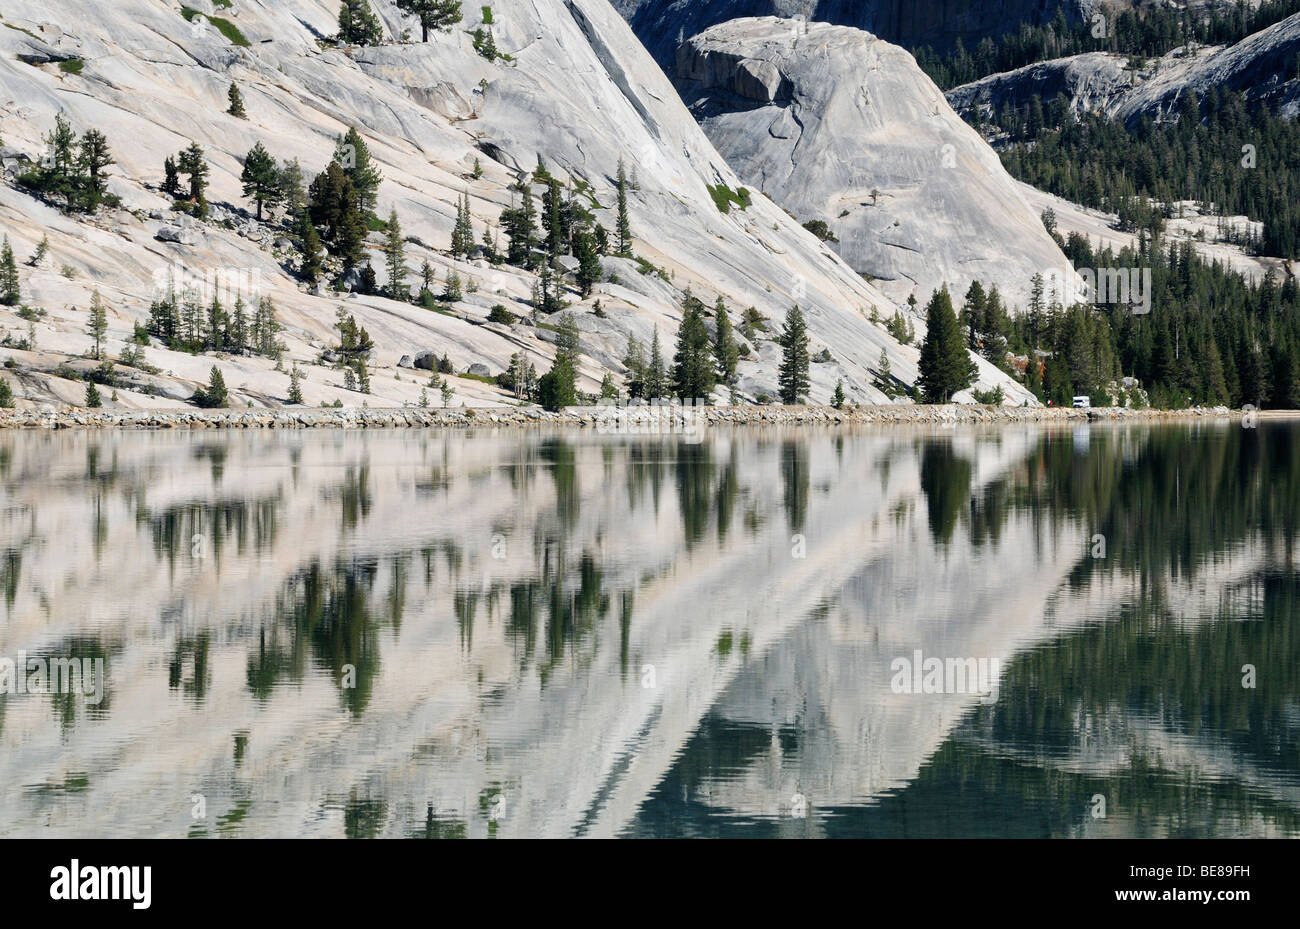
631 420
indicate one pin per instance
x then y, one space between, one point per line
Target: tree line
1231 157
1137 33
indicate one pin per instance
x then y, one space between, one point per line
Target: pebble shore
613 420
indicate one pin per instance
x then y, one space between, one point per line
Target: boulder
426 361
178 235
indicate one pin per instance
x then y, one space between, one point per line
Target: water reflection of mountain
496 604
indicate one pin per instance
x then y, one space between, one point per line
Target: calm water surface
509 633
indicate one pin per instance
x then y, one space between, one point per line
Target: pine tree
884 379
358 24
6 395
191 163
945 365
93 399
635 362
57 176
217 325
369 280
837 398
295 385
215 396
42 249
236 102
453 291
433 14
11 293
589 267
92 158
265 328
520 225
694 371
292 188
792 379
972 312
462 233
725 351
333 206
656 381
309 248
353 155
553 218
261 178
171 185
567 339
237 334
1034 378
97 326
558 387
395 258
623 229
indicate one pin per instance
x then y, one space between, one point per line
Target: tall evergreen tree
589 267
433 14
358 24
694 372
558 387
395 258
972 313
725 350
333 206
261 178
171 185
635 362
656 380
554 223
11 293
292 188
623 229
309 249
97 325
520 225
93 157
194 166
58 176
793 378
353 155
945 365
462 233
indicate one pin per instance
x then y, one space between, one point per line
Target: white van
1083 403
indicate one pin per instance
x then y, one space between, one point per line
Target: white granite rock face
836 125
579 91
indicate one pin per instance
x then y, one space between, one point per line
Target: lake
884 632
